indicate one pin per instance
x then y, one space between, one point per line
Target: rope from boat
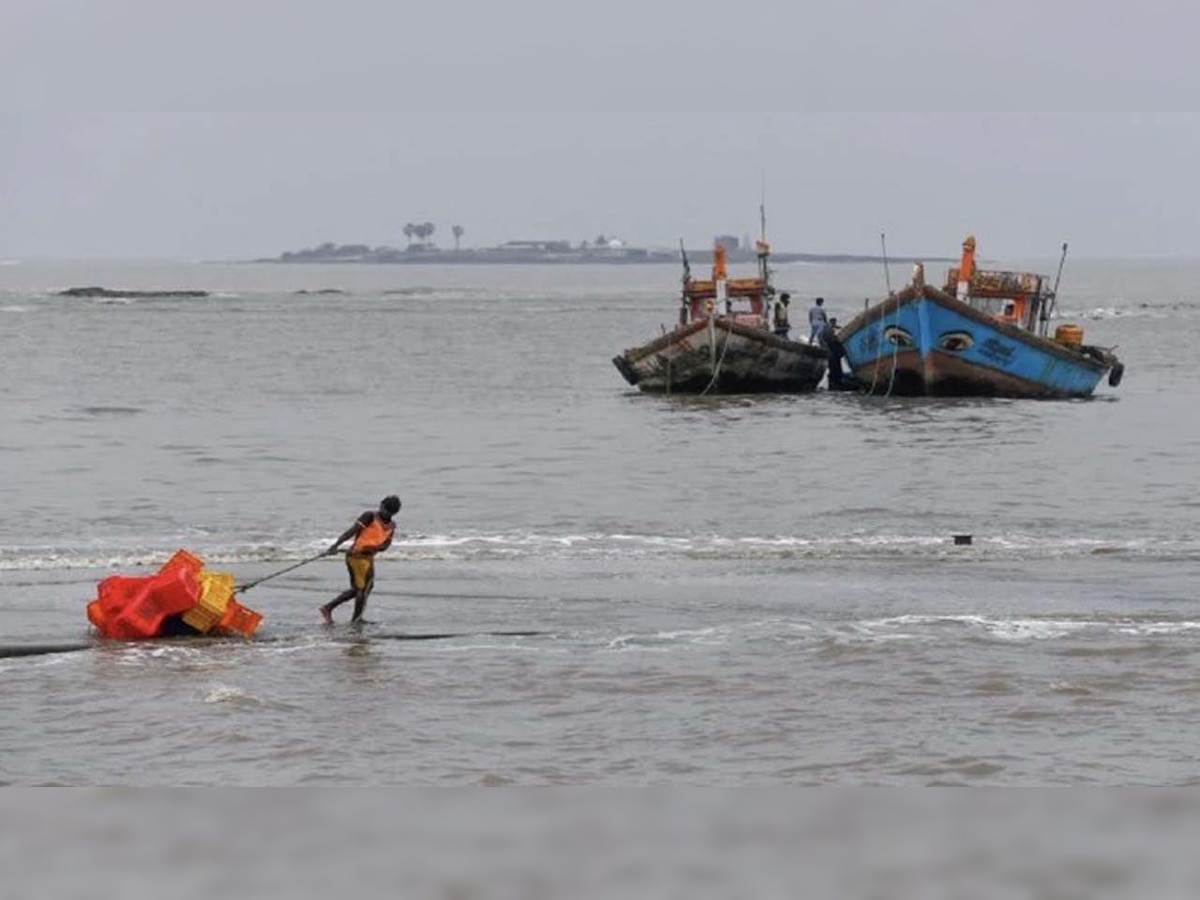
878 351
895 355
720 362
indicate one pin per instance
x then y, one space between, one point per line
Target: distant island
603 250
94 292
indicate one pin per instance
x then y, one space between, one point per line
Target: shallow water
727 590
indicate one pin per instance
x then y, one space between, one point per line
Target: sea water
728 591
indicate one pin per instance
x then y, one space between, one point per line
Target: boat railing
997 284
1014 298
734 287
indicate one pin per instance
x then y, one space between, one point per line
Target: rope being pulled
304 562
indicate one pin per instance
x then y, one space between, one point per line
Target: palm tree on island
409 231
458 231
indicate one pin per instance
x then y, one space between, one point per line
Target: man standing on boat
372 533
782 325
817 320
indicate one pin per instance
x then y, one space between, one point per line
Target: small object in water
963 540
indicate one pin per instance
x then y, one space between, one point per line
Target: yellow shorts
362 571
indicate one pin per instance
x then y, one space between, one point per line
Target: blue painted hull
923 342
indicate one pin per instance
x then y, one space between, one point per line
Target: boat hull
726 358
923 342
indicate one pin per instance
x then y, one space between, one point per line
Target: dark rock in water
324 292
136 295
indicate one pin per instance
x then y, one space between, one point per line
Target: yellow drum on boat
1069 336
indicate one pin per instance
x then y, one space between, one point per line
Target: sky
506 119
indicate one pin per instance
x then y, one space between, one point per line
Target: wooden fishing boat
986 334
723 342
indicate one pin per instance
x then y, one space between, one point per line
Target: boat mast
720 274
1048 308
685 302
720 278
966 268
887 271
763 248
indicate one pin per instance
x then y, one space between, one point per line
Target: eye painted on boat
956 341
896 335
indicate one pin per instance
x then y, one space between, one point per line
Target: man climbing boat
985 334
723 342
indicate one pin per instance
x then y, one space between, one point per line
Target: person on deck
817 320
372 533
782 325
833 346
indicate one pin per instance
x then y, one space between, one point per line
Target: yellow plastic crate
216 592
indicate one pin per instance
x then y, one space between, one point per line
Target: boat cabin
744 300
1014 298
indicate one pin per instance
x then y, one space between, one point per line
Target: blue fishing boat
984 335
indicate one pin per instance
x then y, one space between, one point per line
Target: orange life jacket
374 536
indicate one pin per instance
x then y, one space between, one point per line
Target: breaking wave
1135 311
1027 628
469 547
223 693
917 629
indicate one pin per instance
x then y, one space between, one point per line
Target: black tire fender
1115 374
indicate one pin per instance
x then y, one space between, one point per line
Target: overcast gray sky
495 136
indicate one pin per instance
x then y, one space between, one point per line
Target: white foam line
1030 629
617 545
443 647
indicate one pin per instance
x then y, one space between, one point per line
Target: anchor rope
721 361
895 355
879 351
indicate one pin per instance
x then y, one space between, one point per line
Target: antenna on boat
762 209
1048 309
887 272
763 250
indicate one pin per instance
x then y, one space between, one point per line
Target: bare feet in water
327 615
